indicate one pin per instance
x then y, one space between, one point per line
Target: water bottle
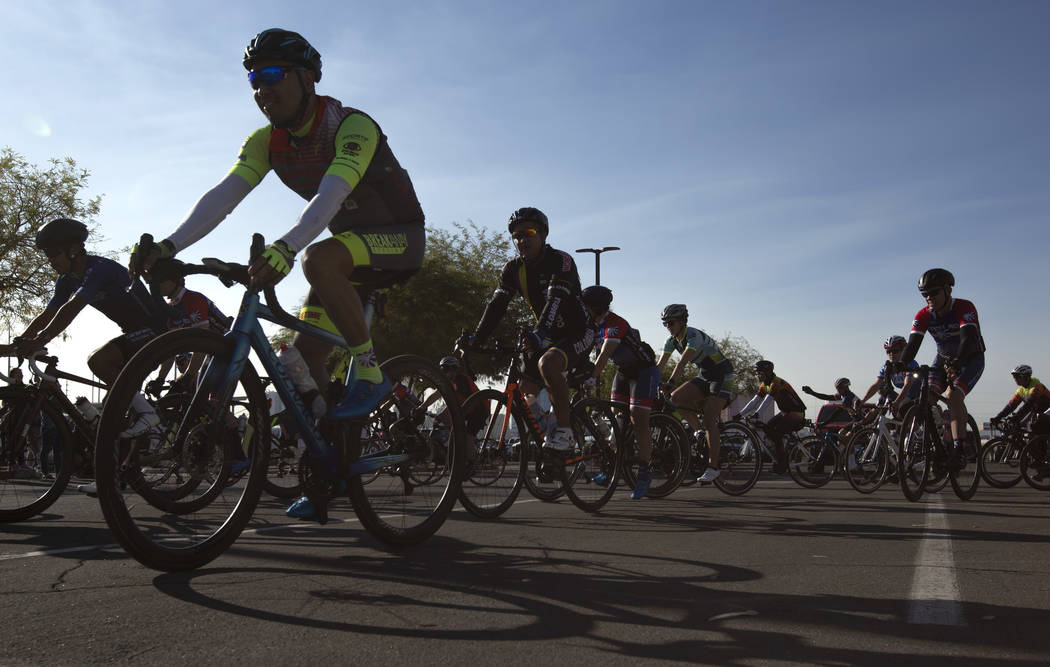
295 365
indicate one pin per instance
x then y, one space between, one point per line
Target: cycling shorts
964 382
383 255
722 387
572 348
130 342
641 390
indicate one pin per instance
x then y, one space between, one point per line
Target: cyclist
792 413
84 280
637 380
548 281
902 380
1032 397
464 386
960 349
714 383
338 159
844 395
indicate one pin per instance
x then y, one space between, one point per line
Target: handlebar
50 361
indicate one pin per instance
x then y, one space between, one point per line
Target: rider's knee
322 258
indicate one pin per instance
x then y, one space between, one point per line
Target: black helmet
449 363
675 311
278 44
61 231
529 214
167 269
935 278
763 366
597 296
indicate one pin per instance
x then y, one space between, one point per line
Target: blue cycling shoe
301 509
601 479
240 466
360 399
642 488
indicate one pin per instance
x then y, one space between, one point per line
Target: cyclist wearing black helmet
550 284
90 280
637 379
338 159
714 383
792 415
960 348
1032 397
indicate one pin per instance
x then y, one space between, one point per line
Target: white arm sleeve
320 210
210 210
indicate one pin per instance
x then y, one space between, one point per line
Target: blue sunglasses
269 76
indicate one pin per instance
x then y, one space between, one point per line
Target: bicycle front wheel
422 462
739 459
867 460
1001 463
1035 463
670 459
26 432
966 478
592 471
494 473
915 451
165 483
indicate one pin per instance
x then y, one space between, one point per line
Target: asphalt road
783 575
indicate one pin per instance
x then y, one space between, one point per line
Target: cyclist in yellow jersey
338 159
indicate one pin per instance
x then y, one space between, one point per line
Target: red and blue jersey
947 330
193 309
632 354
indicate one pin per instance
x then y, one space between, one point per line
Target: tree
29 199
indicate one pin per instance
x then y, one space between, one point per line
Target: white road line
934 588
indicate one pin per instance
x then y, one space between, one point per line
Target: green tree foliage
31 197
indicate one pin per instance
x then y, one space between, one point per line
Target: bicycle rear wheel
1001 463
867 460
739 459
412 496
812 462
494 474
592 471
1035 463
966 479
193 509
24 492
915 451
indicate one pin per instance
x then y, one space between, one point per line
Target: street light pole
598 260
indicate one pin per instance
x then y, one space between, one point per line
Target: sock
365 365
140 405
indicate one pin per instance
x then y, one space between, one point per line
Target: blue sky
787 169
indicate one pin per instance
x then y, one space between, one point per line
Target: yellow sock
365 365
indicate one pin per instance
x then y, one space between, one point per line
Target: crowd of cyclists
338 159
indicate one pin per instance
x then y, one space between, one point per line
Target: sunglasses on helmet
268 76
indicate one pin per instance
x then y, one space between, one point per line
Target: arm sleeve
210 210
497 305
914 341
320 210
563 285
824 397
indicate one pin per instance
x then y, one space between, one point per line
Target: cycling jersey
551 287
779 391
464 386
632 354
947 330
898 379
104 286
193 309
1034 395
710 361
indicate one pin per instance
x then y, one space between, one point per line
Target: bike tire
1001 462
965 480
180 533
915 452
670 459
394 508
867 461
494 475
23 492
739 459
804 461
1035 463
598 455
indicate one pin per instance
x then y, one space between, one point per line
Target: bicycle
499 467
32 413
398 507
813 460
1034 462
871 454
922 453
1001 456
